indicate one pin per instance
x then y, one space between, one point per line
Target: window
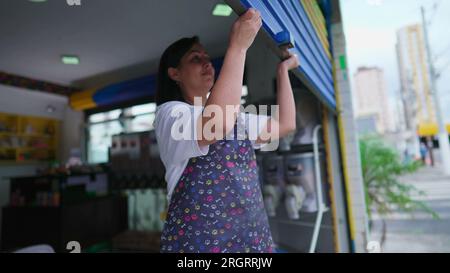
102 126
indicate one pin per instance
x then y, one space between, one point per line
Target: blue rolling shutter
286 21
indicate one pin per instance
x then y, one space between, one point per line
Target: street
419 233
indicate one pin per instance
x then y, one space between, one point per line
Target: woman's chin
209 84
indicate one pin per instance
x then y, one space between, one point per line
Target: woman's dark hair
167 89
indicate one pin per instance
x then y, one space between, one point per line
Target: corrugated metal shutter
291 19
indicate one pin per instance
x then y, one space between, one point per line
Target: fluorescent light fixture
222 10
51 109
70 59
38 1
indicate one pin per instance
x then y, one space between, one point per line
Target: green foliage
381 166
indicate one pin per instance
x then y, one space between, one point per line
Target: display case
57 209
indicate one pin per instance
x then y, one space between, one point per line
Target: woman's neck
191 99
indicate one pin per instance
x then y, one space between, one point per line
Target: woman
215 202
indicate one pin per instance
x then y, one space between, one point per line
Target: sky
370 28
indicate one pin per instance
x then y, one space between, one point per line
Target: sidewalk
420 233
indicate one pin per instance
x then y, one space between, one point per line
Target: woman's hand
245 29
290 63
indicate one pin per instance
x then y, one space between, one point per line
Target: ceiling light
69 59
38 1
222 10
50 109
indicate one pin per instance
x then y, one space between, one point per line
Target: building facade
414 77
372 98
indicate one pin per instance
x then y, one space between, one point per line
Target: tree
381 167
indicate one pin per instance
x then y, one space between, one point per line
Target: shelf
7 162
11 134
34 148
26 135
35 136
27 149
28 162
7 149
28 131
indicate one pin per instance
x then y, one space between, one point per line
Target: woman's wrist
234 49
282 68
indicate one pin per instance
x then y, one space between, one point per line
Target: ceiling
116 40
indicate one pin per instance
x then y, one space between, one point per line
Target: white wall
27 102
34 103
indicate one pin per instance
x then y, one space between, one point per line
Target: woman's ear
173 74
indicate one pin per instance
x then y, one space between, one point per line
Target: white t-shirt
176 152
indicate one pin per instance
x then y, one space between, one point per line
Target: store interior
78 155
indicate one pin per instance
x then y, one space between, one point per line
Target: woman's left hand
290 63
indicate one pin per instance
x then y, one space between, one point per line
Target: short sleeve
254 125
175 128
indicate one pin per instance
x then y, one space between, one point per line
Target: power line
442 53
442 69
444 144
435 7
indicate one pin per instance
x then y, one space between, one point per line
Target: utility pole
444 144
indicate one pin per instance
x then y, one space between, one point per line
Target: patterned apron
217 205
